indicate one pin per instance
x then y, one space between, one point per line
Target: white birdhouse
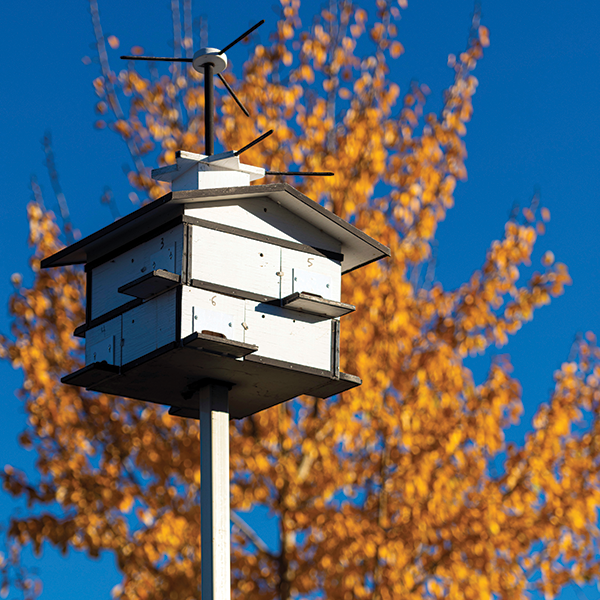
217 280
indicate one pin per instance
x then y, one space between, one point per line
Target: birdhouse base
168 375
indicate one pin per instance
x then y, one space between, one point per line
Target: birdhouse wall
261 267
290 336
280 334
150 326
264 216
164 251
303 272
236 262
134 333
104 342
204 311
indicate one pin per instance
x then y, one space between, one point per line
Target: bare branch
60 197
110 88
252 536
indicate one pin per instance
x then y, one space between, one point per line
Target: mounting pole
209 108
213 399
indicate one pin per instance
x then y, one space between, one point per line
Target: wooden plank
263 215
261 237
288 336
337 386
312 274
207 311
335 348
216 345
229 291
302 302
91 375
161 252
236 262
150 284
149 326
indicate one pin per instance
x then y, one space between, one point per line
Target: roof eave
93 246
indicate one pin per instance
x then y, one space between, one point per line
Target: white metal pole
213 399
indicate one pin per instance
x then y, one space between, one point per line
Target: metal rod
239 39
209 109
163 58
237 100
302 173
213 401
253 143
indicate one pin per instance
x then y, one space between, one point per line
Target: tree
403 487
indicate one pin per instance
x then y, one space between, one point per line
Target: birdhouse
217 280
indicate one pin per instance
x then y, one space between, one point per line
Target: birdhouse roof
358 249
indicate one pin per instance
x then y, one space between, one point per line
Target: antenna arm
302 173
239 39
232 93
162 58
253 143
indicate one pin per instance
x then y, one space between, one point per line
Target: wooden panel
162 252
149 326
329 309
103 343
203 310
262 215
322 276
150 284
91 375
235 262
289 336
218 345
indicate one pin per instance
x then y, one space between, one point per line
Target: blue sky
536 125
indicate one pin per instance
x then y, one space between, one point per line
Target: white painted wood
235 261
200 178
276 221
289 335
202 310
149 326
164 259
164 251
104 343
198 171
302 270
311 283
214 493
103 351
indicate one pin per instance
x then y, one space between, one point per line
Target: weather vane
211 62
